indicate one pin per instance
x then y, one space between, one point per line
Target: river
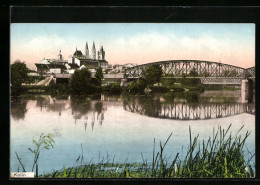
121 127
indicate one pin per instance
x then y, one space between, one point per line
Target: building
78 59
89 61
52 65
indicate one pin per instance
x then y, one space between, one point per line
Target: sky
138 43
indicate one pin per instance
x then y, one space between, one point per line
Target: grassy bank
221 156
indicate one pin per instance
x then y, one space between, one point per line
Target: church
89 60
78 60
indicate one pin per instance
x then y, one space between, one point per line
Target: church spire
93 52
60 55
86 50
101 53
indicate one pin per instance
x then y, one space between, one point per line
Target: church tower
86 50
60 56
93 52
101 54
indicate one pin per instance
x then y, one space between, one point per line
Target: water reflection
105 123
185 107
18 108
182 106
90 111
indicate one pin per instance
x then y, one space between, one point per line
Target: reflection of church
95 117
79 60
90 115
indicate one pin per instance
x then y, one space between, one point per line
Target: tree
233 73
99 75
80 82
153 74
226 73
193 73
19 72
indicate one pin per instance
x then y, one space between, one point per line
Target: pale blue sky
136 42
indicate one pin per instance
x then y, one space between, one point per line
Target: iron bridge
209 72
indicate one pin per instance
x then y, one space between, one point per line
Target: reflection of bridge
182 111
208 72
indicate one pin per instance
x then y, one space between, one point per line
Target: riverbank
38 86
63 89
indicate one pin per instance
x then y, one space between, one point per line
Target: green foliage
220 87
160 89
127 173
233 73
99 75
193 73
168 82
113 88
137 87
45 140
80 83
228 73
205 74
19 72
190 82
153 74
34 79
64 174
55 89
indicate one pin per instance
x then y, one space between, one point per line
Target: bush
113 88
137 87
19 72
55 89
160 89
80 83
153 74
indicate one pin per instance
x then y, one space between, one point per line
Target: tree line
82 82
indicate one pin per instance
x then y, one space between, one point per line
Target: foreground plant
220 156
45 140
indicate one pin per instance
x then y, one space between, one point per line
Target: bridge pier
246 91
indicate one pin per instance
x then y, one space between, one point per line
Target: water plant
45 140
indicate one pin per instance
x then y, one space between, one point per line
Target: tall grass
220 156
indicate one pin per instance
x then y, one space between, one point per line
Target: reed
221 156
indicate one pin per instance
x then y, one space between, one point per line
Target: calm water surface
121 127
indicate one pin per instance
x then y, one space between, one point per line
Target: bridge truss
194 69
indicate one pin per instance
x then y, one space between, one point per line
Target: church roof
78 53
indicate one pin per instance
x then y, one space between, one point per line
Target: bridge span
209 72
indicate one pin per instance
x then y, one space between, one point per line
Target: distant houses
121 68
